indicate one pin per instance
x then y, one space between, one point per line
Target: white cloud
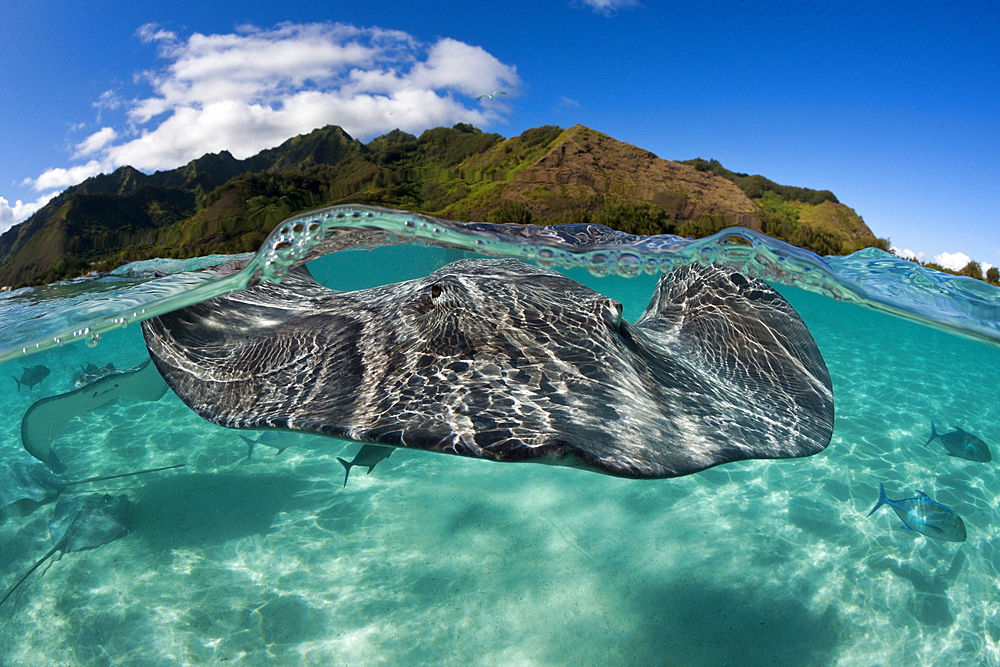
985 266
606 7
955 261
19 212
255 88
95 142
63 178
906 253
568 103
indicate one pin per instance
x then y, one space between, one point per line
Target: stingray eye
435 291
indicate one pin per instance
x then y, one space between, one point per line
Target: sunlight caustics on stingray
501 360
46 418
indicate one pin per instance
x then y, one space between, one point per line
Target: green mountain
546 175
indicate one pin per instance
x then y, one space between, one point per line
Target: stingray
91 373
47 417
80 523
26 485
32 376
501 360
368 456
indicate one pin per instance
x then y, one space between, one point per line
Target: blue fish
962 445
925 516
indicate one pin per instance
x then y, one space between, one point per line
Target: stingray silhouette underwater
501 360
46 418
80 523
26 485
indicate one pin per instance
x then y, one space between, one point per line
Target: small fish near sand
368 456
925 516
32 376
962 445
84 522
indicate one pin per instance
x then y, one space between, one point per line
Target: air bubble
598 265
628 265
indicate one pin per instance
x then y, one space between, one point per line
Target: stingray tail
124 474
347 469
18 383
28 573
882 499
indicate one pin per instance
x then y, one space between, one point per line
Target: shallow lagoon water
441 559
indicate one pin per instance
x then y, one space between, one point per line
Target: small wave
35 319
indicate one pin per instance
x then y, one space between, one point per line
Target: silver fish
368 456
962 445
925 516
32 376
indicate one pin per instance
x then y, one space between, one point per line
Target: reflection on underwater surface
460 561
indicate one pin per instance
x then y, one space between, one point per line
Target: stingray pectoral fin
46 418
736 369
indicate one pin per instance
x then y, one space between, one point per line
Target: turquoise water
447 560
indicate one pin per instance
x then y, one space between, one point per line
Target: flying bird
492 95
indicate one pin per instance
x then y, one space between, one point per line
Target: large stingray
46 418
501 360
84 522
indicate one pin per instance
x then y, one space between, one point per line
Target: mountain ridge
545 175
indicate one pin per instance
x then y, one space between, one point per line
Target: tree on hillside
993 275
973 270
510 213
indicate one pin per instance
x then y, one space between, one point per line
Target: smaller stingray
32 376
369 456
44 420
925 516
26 485
80 523
91 373
962 445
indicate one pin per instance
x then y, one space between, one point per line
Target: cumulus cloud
65 177
906 253
95 142
606 7
955 261
255 88
19 212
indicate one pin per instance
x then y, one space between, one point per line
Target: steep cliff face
548 175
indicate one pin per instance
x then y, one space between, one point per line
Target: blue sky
894 106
